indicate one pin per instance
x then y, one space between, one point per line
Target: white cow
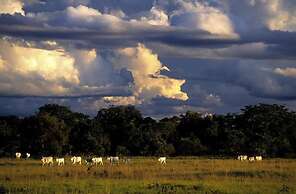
18 155
47 160
60 161
28 155
113 160
126 160
76 160
258 158
242 157
162 160
96 161
252 159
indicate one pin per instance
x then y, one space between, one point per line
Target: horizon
157 118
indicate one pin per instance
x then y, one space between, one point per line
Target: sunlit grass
146 175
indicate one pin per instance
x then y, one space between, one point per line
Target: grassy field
146 175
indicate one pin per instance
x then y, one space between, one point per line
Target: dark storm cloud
36 6
235 82
278 44
21 26
22 106
128 6
100 94
29 105
222 73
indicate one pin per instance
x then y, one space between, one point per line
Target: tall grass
146 175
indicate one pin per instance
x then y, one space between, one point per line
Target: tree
10 140
203 129
231 138
120 124
261 129
268 128
188 146
45 135
53 135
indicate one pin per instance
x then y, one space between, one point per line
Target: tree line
263 129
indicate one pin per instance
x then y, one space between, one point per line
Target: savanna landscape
147 96
146 175
203 153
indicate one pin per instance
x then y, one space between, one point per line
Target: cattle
162 160
258 158
242 157
47 160
126 160
96 161
28 155
60 161
76 160
252 159
113 160
18 155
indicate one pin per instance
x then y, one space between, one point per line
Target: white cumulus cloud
287 72
281 17
156 16
201 16
145 68
11 7
34 71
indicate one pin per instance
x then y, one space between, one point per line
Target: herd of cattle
78 160
251 158
74 160
112 160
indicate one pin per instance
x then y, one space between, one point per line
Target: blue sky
165 57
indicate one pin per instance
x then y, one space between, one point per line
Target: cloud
95 70
130 7
86 24
249 50
33 71
79 17
148 82
161 107
35 6
202 16
156 16
82 12
67 71
254 77
165 31
27 70
202 55
281 17
256 15
288 71
123 101
146 71
82 16
11 7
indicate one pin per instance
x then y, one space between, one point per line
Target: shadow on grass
177 188
3 190
251 174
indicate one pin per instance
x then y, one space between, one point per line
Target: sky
165 57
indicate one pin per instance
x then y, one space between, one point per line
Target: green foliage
122 151
10 140
268 130
120 123
190 146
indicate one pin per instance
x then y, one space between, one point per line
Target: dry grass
146 175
